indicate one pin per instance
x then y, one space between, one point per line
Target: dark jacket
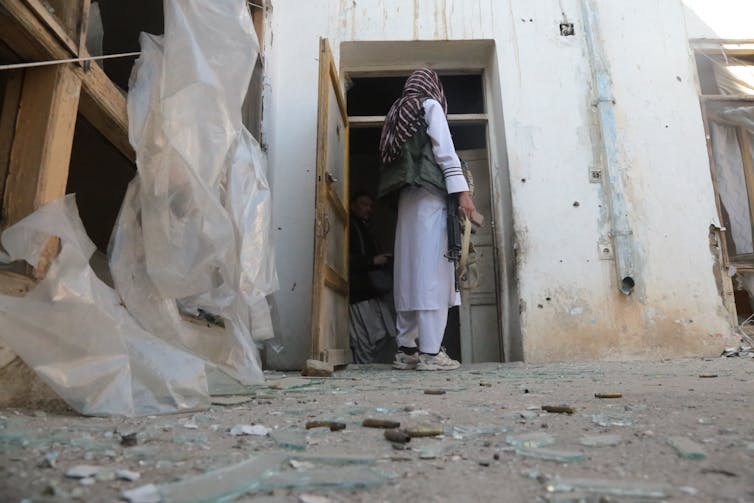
362 250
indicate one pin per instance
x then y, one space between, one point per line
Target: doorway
473 331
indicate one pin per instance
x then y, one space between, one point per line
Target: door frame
399 68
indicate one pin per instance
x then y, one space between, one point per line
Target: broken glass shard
629 488
289 439
600 440
550 454
225 483
610 420
687 448
349 477
536 439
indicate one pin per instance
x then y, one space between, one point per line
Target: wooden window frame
742 262
39 135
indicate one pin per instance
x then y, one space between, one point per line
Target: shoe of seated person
405 361
440 361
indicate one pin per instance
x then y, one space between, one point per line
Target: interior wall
99 176
545 142
122 22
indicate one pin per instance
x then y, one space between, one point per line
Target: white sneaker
405 361
440 361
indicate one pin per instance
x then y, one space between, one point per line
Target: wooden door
481 339
330 340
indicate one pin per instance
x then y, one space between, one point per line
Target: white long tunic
423 276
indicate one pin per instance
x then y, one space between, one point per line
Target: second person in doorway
419 161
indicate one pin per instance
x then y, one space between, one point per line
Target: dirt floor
481 410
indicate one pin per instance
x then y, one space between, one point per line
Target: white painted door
481 340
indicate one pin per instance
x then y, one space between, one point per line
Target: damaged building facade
587 122
611 146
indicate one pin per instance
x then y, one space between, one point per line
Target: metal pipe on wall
614 181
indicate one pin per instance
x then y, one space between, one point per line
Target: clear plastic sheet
193 231
731 185
733 75
200 207
738 114
74 332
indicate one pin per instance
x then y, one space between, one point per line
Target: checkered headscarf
407 113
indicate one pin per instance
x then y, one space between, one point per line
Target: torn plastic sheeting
193 152
194 228
229 349
202 203
732 75
736 113
731 185
74 332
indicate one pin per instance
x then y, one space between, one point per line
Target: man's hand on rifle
466 204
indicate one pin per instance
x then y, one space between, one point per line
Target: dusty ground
707 401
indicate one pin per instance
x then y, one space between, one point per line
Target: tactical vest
414 166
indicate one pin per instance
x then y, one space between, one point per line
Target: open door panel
330 341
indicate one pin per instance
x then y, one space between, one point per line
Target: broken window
726 79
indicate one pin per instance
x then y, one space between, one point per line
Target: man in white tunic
419 159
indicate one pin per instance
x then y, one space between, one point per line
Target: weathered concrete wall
544 141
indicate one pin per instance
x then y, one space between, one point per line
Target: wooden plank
337 205
336 357
14 32
41 151
335 281
103 104
722 41
9 109
320 248
59 25
706 98
335 81
83 26
377 120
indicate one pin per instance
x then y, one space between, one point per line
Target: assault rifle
454 236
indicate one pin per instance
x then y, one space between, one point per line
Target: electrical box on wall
595 175
606 250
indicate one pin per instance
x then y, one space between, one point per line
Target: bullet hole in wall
540 306
548 299
523 180
576 204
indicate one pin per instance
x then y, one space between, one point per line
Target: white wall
545 132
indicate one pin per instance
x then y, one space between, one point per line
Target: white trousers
423 276
423 329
